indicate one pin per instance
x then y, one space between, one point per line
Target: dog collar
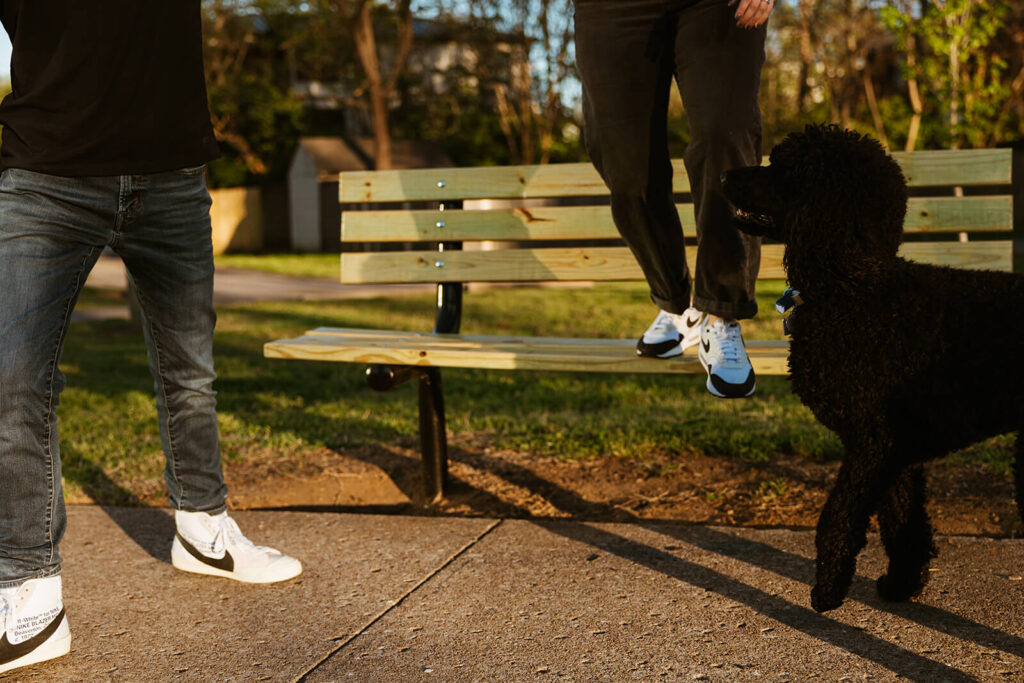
786 305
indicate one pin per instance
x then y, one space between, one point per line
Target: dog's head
833 196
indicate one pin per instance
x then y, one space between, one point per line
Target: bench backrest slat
493 182
950 167
923 169
924 214
602 263
531 234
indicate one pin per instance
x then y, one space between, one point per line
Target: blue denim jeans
52 230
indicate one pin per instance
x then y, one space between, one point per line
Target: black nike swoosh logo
693 323
227 563
9 652
706 344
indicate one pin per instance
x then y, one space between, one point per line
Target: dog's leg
907 535
842 526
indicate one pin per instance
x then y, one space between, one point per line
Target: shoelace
728 338
229 529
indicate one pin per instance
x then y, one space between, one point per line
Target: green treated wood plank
922 169
605 263
492 182
924 214
989 255
504 352
938 168
523 224
959 214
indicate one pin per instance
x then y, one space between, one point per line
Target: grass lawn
304 265
108 422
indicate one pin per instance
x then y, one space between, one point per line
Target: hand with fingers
752 13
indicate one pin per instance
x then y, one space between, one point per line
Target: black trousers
627 52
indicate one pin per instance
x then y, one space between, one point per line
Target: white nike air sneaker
213 544
670 334
724 356
34 625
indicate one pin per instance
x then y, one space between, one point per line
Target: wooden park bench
968 206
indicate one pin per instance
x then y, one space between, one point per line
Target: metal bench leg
433 438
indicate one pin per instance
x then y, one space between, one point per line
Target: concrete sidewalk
389 598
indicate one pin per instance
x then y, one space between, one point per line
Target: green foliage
463 119
257 50
962 79
269 119
257 120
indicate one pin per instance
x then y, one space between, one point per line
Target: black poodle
904 361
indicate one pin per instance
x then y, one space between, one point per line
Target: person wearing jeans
106 135
627 53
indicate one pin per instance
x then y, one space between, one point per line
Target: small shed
315 216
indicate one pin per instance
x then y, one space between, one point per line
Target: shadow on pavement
795 567
152 529
893 657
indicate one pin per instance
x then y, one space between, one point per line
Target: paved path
389 598
234 285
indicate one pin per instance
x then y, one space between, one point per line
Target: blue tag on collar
786 305
788 300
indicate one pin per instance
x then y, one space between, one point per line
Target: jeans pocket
192 170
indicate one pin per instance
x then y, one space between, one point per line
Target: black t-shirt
105 87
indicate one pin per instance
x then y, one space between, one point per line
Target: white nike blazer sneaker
34 625
213 545
670 334
724 356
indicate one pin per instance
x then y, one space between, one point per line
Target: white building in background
315 215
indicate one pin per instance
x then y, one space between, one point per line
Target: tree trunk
876 115
380 90
806 53
381 131
915 95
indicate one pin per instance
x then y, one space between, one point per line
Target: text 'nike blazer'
34 625
724 356
670 334
213 545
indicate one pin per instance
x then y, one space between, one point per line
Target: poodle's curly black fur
904 361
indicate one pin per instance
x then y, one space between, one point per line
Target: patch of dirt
964 499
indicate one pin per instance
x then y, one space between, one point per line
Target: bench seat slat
924 214
605 263
503 352
922 169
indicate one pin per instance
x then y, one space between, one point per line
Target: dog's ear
877 196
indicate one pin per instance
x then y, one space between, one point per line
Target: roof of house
332 155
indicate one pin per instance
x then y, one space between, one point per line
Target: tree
501 75
254 118
382 33
956 65
531 105
381 86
